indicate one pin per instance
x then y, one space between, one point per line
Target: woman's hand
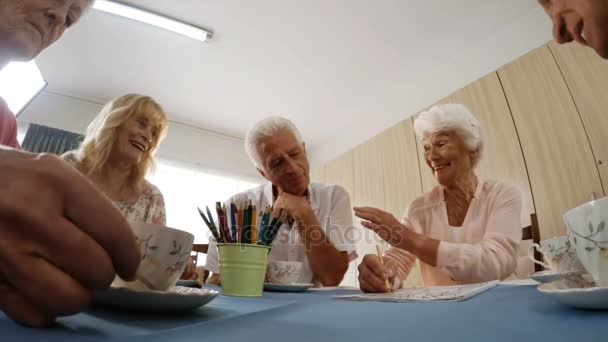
373 275
385 225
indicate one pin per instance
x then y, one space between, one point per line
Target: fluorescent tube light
154 19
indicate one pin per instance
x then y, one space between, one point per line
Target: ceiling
343 70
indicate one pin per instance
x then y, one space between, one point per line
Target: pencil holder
243 269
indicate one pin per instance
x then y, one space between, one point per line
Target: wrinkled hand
190 270
294 206
384 224
373 275
60 239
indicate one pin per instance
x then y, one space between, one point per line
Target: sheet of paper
426 294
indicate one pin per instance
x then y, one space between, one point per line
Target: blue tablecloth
504 313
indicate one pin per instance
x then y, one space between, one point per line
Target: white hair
266 128
451 117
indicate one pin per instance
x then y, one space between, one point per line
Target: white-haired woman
118 151
465 230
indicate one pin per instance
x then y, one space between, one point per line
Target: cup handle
531 255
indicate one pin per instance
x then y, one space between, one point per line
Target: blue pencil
233 210
263 226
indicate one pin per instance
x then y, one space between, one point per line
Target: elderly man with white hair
321 214
465 230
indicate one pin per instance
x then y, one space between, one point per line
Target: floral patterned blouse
149 207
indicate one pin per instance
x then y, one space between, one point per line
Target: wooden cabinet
341 171
369 191
586 75
401 175
558 156
318 175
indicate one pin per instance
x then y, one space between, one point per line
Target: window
20 82
185 188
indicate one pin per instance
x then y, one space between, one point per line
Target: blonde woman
118 152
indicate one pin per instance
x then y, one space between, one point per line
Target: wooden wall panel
369 191
586 75
341 171
558 155
318 175
401 175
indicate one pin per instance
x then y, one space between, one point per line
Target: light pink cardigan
483 249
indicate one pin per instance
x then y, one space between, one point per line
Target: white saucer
287 288
177 298
549 276
578 292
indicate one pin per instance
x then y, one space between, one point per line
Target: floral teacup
164 254
284 272
558 253
589 235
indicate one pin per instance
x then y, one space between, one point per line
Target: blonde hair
95 150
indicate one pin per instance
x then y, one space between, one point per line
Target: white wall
185 145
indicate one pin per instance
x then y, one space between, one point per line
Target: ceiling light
130 12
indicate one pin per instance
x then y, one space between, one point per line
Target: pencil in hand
386 283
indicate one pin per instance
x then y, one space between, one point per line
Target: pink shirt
8 126
483 249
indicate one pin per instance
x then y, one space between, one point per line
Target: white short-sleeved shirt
331 205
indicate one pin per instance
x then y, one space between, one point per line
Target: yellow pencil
386 283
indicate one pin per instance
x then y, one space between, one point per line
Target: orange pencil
239 227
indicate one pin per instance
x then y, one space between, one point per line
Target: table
505 313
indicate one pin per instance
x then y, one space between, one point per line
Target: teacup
558 253
284 272
589 235
164 255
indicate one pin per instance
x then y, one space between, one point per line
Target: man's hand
60 239
296 207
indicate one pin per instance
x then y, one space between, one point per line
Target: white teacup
589 235
164 255
558 253
284 272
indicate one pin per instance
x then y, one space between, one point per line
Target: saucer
287 288
577 291
549 276
177 298
188 283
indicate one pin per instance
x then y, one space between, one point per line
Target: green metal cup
243 269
